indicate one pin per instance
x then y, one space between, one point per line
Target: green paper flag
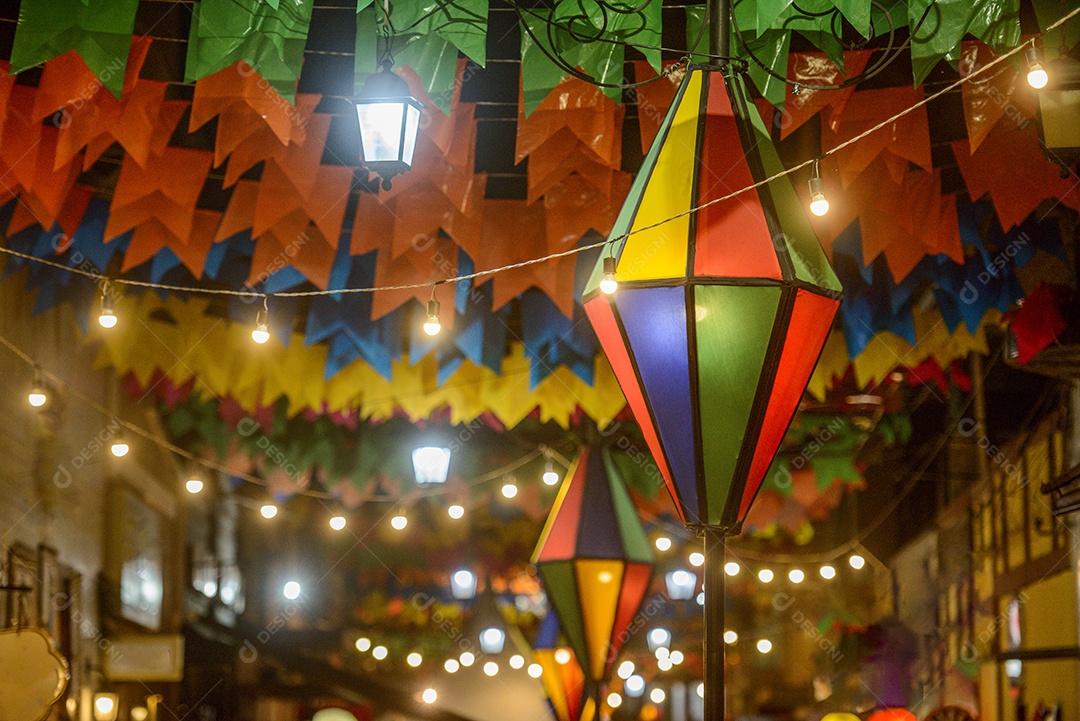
269 37
99 30
995 22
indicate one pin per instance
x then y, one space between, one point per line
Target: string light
1037 76
764 645
451 665
491 668
399 521
634 686
456 511
657 695
614 700
625 670
676 657
562 657
107 316
819 204
796 576
697 559
608 284
194 485
337 522
379 653
291 590
429 695
119 446
261 334
662 543
856 561
38 397
765 575
432 326
467 658
268 510
731 568
535 670
701 689
730 637
414 659
517 661
827 572
509 489
363 644
550 476
664 664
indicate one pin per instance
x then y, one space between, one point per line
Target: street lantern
463 584
722 307
389 119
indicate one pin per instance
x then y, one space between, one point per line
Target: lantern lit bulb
765 575
764 645
399 522
456 511
663 543
337 522
796 576
856 561
819 204
535 670
432 326
429 695
291 590
562 657
120 448
193 486
608 284
1037 76
827 572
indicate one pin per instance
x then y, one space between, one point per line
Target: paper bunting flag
247 139
944 25
240 85
99 30
151 237
653 100
258 36
595 560
1039 320
166 190
282 200
574 207
993 95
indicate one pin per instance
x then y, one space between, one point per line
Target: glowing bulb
509 490
730 637
104 705
662 653
731 568
138 713
856 561
765 575
614 700
107 318
663 543
291 590
363 644
414 659
796 576
451 665
605 577
399 521
608 284
268 510
550 476
429 695
657 695
261 334
635 686
337 522
517 661
379 653
764 645
456 511
697 559
120 448
664 664
432 326
491 668
1037 76
827 572
467 658
193 486
819 204
625 670
701 598
701 689
37 397
562 657
535 670
676 657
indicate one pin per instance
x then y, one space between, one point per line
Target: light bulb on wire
550 477
432 325
119 446
261 334
194 485
1037 76
819 204
268 510
38 397
608 284
456 511
337 522
399 521
509 489
107 316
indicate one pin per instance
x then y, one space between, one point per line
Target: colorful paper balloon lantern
563 679
720 314
840 716
893 714
595 560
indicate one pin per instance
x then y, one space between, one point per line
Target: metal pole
714 624
719 30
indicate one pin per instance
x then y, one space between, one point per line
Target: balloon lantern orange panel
723 303
595 561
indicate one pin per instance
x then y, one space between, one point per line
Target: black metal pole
714 623
719 30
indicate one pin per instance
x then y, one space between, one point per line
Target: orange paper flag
167 189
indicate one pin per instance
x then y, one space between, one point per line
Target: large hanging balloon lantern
595 561
563 679
713 310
